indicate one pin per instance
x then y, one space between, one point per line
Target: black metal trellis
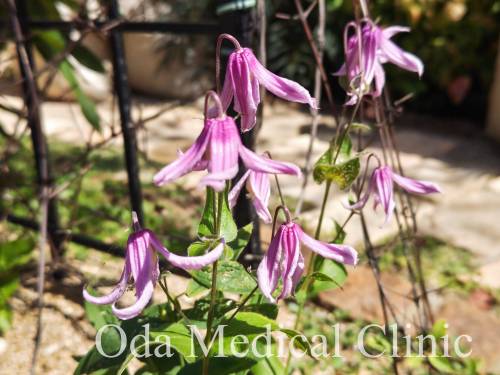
116 26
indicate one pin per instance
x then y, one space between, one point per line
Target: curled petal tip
141 302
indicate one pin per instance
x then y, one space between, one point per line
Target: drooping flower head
381 186
217 149
141 264
284 261
244 74
366 50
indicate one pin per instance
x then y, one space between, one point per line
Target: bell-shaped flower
259 190
381 186
284 261
217 149
364 59
141 264
244 74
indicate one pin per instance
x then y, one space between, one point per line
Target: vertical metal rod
19 18
241 24
120 80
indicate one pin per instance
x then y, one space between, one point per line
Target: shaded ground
466 166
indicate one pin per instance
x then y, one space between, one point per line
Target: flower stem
242 304
310 267
213 293
210 319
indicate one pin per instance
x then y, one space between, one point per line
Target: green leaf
219 366
15 253
378 343
252 324
179 337
231 277
364 128
268 366
442 364
339 167
241 240
88 58
206 228
340 234
269 310
5 318
93 360
99 315
345 149
194 288
161 365
335 271
246 323
8 285
300 341
343 174
439 329
88 109
199 248
330 275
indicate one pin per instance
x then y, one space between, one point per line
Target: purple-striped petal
298 272
392 53
223 160
390 31
268 272
340 253
140 258
188 263
236 190
379 79
385 190
117 291
243 87
362 202
282 87
260 190
226 96
370 43
415 186
199 166
187 162
265 165
142 300
291 253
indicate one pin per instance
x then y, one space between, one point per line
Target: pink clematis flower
141 263
259 189
284 259
364 62
382 187
217 149
244 74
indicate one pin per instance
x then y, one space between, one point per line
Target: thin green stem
340 140
280 193
218 202
214 204
210 319
242 304
177 307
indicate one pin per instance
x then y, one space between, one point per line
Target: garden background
447 128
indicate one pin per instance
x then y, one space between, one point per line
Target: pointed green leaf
231 277
241 240
206 227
